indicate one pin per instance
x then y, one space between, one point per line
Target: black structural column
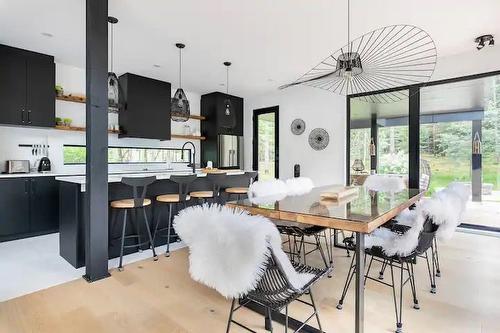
359 306
374 137
476 181
96 187
414 138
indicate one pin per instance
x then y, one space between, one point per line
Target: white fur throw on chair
299 186
385 183
264 191
268 191
393 243
229 249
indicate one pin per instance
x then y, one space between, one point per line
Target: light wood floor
160 297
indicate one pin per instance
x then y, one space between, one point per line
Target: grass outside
446 170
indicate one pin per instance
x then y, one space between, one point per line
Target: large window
75 154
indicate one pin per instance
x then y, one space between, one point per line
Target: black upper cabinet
145 109
213 107
27 95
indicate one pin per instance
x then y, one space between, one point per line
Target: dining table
361 213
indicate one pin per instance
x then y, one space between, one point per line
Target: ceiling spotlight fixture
156 66
229 120
47 34
113 85
180 105
386 58
482 40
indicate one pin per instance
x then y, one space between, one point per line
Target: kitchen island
72 217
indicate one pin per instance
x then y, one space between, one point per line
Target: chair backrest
426 236
217 180
139 187
251 176
183 182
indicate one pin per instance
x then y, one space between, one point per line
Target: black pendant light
229 116
180 104
113 85
383 59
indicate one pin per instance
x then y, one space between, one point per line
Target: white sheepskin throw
267 191
385 183
393 243
229 249
299 186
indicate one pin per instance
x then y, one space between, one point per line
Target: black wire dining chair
275 292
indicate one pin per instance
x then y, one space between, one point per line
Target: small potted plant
59 90
67 122
59 121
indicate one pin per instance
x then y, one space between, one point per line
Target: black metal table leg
360 290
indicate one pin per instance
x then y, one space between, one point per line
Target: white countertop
116 178
33 174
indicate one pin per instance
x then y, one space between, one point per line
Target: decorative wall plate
319 139
298 126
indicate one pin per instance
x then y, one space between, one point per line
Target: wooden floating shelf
79 129
188 137
82 129
70 98
82 99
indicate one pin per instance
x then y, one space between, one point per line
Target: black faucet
193 159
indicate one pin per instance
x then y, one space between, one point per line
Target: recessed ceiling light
222 84
270 80
47 34
156 66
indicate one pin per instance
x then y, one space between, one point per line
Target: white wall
73 81
318 108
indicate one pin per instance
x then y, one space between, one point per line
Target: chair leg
413 285
269 321
432 276
398 311
315 310
348 281
158 219
120 266
436 257
329 244
368 270
286 319
167 254
321 252
233 303
151 242
382 270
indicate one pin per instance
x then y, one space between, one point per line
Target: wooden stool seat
170 198
202 194
128 203
237 190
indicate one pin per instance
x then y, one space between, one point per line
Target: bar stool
181 197
139 201
217 181
239 191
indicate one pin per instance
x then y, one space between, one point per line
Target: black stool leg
167 254
151 243
158 219
120 266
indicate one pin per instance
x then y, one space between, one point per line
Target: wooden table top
363 212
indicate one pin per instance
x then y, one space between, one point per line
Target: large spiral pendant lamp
180 104
383 59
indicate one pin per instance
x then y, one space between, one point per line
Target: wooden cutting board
337 193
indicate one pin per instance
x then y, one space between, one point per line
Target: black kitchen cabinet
29 206
145 111
14 207
27 95
216 123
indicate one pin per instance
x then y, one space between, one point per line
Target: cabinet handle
29 116
26 186
33 187
22 116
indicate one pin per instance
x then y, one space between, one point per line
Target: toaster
18 166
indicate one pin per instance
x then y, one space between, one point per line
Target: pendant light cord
227 80
348 26
180 68
112 47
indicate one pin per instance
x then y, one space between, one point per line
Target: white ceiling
269 42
